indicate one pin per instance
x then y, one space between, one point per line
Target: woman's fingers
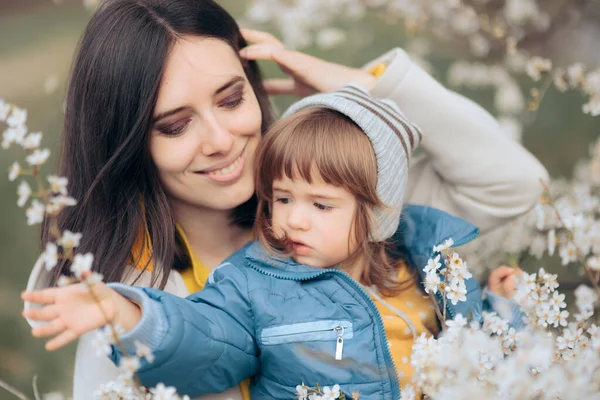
46 296
254 36
262 51
42 314
53 327
61 340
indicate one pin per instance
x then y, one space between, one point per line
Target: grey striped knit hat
393 139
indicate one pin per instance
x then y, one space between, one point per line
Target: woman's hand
502 281
307 74
71 311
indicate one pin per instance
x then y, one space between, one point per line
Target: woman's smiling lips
227 173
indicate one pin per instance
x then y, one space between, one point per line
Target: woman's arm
469 167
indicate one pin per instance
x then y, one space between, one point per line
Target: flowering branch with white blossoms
448 282
494 361
45 204
508 34
304 392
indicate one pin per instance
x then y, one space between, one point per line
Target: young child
329 293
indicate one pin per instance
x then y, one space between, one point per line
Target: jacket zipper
340 345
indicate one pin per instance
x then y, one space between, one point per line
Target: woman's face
207 124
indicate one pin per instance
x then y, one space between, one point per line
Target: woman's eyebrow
168 113
220 89
229 83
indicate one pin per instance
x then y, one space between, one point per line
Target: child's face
317 219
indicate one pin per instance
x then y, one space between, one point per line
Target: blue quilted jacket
281 323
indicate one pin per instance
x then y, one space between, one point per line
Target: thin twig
12 390
437 310
36 392
587 269
114 332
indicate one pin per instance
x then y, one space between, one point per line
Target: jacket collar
420 229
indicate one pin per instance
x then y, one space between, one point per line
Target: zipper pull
339 346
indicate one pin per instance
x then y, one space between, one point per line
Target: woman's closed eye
174 129
233 101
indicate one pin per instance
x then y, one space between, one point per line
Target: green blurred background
37 40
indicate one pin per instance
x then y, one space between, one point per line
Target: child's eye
322 207
282 200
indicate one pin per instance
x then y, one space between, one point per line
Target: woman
164 113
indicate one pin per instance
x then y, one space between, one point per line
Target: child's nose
297 219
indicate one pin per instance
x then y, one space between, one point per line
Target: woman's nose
297 219
217 140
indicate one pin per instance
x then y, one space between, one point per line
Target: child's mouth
301 249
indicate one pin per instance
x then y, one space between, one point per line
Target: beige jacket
468 168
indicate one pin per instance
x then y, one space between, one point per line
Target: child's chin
311 262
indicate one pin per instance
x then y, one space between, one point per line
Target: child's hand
71 311
502 281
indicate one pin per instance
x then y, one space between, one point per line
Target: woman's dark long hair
112 93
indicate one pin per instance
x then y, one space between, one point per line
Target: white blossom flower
38 157
32 141
35 212
162 392
82 263
331 393
143 351
433 264
558 300
576 75
443 246
536 66
456 293
69 239
24 191
458 322
558 78
64 281
568 253
594 263
408 393
17 118
50 256
585 298
58 184
103 341
13 135
129 365
4 110
592 107
432 282
14 172
301 392
57 203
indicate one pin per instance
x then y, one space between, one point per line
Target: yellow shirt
415 305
